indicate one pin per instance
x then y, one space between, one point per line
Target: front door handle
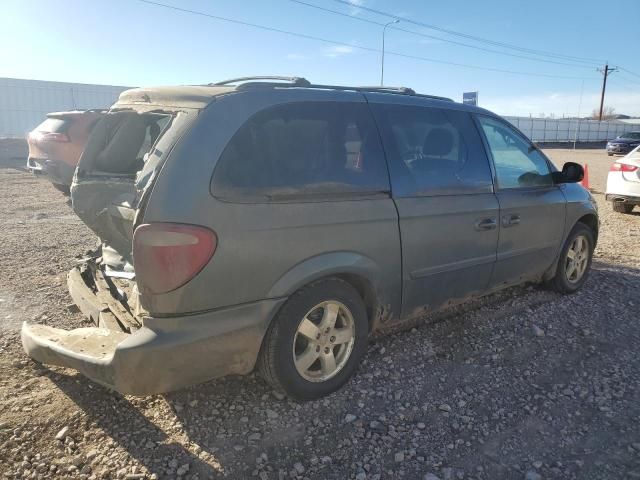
486 224
511 220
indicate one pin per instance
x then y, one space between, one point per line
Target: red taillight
623 167
49 137
55 137
168 255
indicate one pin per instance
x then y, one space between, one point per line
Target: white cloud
354 10
338 51
561 103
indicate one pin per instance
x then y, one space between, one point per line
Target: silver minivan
275 224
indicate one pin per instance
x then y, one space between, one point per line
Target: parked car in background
56 144
279 223
623 182
623 143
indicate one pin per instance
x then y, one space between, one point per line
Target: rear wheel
610 154
316 341
622 207
575 260
63 188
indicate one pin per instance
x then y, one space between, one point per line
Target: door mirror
571 173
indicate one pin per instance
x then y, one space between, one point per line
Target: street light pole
384 29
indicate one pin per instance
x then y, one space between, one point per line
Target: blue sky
127 42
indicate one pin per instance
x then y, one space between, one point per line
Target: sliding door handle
486 224
511 220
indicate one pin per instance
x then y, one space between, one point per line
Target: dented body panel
163 354
405 256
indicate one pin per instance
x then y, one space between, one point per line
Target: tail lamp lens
623 167
168 255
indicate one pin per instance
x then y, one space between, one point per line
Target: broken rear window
53 125
120 140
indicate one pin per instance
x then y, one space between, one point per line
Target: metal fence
568 130
24 103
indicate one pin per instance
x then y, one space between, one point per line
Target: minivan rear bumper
165 354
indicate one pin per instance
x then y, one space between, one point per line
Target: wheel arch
361 272
591 221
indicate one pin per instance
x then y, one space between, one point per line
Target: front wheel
575 260
622 207
316 341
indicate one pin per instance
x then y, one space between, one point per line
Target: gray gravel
524 384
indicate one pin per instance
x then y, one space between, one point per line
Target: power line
633 81
433 37
358 47
618 84
472 37
629 71
627 83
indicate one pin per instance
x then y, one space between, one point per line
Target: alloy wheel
577 259
323 341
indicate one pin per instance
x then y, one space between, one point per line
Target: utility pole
606 71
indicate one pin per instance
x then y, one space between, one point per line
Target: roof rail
402 91
383 89
276 81
297 81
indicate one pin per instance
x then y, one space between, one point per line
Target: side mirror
571 173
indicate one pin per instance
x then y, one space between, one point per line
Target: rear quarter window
303 150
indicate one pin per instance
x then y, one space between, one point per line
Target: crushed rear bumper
164 354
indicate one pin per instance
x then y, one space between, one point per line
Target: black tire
276 363
66 189
560 282
622 207
610 154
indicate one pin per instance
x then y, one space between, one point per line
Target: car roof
199 96
70 113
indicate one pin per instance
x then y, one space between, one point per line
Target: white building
24 103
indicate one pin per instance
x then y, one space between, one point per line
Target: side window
433 151
518 163
303 149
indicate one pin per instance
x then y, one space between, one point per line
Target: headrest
439 142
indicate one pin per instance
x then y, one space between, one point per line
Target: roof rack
276 81
296 81
383 89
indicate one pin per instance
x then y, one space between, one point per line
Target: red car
56 144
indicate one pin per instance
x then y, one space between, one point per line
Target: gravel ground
524 384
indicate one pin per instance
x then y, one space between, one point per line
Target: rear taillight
623 167
168 255
55 137
49 137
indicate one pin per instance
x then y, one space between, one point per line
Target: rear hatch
119 162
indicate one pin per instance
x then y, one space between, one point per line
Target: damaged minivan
275 224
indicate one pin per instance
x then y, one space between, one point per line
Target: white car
623 182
